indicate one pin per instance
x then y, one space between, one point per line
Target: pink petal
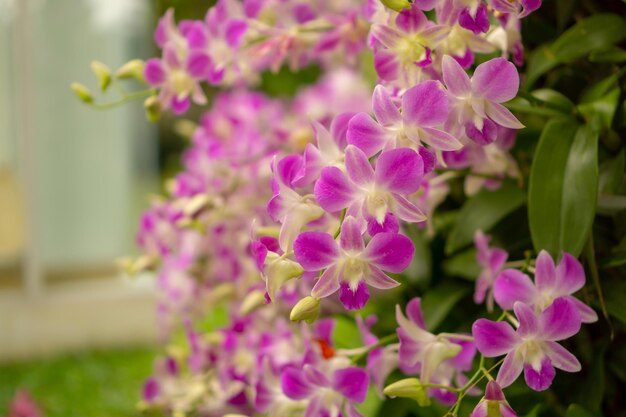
364 133
456 79
493 338
390 252
315 250
198 64
510 369
180 105
414 312
496 80
502 116
294 385
352 383
315 376
542 379
545 272
425 105
440 140
560 320
387 65
528 321
497 259
351 238
587 314
484 136
511 286
561 358
378 279
333 191
390 225
386 35
385 110
399 170
353 299
339 128
154 72
359 169
235 29
411 20
570 275
407 211
327 284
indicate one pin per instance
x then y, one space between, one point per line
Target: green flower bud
103 73
397 5
252 301
82 92
408 388
132 69
153 108
306 309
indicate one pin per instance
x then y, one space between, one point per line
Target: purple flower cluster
301 207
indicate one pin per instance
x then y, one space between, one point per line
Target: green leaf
439 301
346 334
554 99
614 55
612 174
592 389
576 410
598 90
462 265
603 108
615 290
563 187
595 33
482 212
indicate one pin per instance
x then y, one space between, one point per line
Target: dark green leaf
462 265
615 290
592 390
598 90
563 187
540 62
612 174
554 99
439 301
595 33
603 108
482 212
576 410
614 55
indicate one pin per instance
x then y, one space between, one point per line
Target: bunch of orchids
291 213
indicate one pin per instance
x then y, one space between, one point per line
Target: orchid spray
291 213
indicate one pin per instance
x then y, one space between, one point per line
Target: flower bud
280 271
153 108
252 301
408 388
397 5
103 73
306 309
132 69
82 92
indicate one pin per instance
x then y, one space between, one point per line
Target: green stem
590 255
127 98
343 216
387 340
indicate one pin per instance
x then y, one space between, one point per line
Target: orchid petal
561 358
390 252
560 320
327 284
385 110
364 133
378 279
493 338
511 286
510 369
425 105
315 250
456 79
502 116
497 80
333 191
359 169
399 170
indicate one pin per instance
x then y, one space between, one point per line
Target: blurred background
74 332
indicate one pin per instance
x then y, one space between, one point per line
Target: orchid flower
328 152
551 282
424 109
473 15
519 8
493 400
350 265
533 348
422 351
407 48
491 260
476 101
368 192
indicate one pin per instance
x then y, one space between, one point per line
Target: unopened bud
82 92
408 388
252 301
397 5
306 309
153 108
280 271
103 73
132 69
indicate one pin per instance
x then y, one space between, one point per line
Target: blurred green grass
89 384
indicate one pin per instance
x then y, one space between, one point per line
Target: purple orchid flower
407 48
328 152
381 361
533 348
424 352
493 400
330 394
551 282
476 101
473 15
424 109
178 77
351 265
366 192
491 260
520 8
